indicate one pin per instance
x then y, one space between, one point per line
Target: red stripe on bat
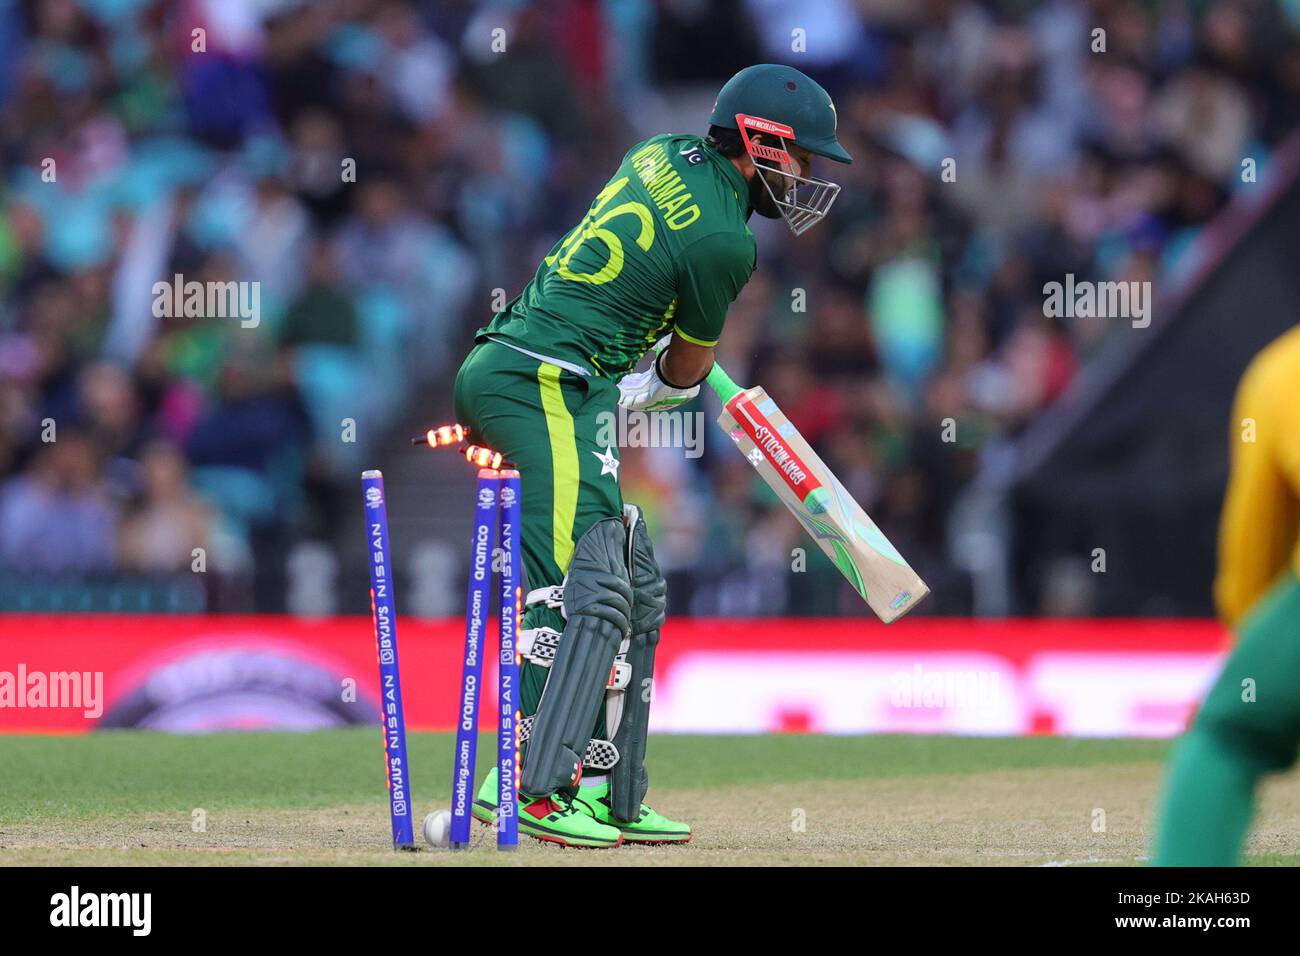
792 469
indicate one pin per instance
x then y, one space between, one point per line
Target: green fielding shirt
664 247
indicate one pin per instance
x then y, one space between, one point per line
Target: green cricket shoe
552 819
648 828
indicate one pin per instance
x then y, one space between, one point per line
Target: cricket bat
817 499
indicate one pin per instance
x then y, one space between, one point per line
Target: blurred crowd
385 170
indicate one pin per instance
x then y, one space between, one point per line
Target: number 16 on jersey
817 499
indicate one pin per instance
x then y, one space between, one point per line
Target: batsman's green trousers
545 420
1248 726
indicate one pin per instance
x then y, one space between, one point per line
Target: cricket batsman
1249 724
661 254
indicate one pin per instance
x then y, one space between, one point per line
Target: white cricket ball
437 828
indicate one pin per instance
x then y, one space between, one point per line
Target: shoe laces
563 803
609 805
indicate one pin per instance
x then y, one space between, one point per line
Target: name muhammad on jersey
669 193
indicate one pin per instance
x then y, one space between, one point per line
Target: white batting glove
648 392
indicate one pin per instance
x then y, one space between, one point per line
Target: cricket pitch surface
136 798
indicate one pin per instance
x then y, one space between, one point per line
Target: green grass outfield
134 797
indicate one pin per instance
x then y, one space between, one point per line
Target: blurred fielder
1249 724
663 251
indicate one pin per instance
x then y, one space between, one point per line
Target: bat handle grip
721 383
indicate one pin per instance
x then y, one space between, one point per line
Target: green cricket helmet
788 107
784 95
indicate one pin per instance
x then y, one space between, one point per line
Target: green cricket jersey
664 247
